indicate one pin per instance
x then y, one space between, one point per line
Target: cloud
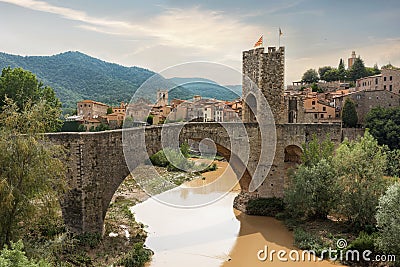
192 27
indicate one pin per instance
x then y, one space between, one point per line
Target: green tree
109 110
149 119
310 76
81 128
314 151
24 89
393 163
384 125
360 167
349 114
358 70
32 173
323 70
313 188
331 75
102 127
341 71
313 191
388 221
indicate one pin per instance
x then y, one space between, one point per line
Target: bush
159 159
265 206
388 220
175 161
15 257
308 241
363 242
137 257
89 239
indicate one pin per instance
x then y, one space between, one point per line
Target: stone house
388 80
366 100
89 109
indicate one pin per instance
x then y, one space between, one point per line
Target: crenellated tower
266 70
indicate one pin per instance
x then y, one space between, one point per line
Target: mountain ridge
75 76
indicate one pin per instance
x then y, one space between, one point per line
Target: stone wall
266 70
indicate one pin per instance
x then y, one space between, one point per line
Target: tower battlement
266 70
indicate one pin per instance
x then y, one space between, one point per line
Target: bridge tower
266 70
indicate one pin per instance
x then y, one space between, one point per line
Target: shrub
136 257
15 257
363 242
265 206
308 241
159 159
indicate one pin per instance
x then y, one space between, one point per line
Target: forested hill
76 76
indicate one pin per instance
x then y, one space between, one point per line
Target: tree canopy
32 172
310 76
24 90
384 125
358 70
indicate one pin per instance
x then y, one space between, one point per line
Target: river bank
214 234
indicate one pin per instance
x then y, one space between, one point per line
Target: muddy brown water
214 234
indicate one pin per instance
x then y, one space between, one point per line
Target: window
323 108
315 116
85 105
313 103
390 88
384 87
384 79
322 116
358 97
390 78
376 80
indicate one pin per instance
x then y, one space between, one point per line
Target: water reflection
211 235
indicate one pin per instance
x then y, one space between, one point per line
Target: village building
90 109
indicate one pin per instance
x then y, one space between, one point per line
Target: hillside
76 76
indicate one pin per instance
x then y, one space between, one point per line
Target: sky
159 34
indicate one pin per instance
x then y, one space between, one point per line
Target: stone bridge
96 164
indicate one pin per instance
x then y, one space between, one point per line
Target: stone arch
293 154
236 164
251 108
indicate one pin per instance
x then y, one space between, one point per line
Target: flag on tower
259 42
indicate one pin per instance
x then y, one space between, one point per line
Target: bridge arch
250 112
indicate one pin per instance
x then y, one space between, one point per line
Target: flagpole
279 38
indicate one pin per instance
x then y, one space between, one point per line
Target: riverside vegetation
341 193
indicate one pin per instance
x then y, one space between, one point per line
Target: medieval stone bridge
96 163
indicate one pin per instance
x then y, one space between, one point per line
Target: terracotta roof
92 102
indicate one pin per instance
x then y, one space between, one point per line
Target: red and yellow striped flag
259 42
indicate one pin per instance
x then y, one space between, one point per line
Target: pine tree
358 69
349 114
341 70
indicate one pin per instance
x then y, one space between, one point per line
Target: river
214 234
